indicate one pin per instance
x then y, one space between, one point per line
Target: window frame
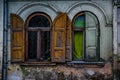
39 30
75 29
69 23
83 60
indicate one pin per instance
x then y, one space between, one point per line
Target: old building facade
58 40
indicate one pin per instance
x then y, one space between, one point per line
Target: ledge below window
86 63
38 64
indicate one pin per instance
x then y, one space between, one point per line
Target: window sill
87 63
38 64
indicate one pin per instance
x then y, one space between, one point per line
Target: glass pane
78 45
32 44
46 45
79 21
39 21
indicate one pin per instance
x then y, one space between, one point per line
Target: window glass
79 21
38 37
45 45
85 37
78 45
39 21
32 44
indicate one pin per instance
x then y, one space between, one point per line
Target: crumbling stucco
60 72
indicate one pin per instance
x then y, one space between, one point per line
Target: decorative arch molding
88 6
30 8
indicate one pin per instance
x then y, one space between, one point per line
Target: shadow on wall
117 74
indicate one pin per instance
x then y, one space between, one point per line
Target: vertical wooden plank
68 40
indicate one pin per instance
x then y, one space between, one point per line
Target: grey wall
118 31
1 32
102 9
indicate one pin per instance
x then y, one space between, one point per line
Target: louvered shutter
17 39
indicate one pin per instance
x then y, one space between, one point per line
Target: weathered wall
1 34
60 72
63 72
116 39
52 7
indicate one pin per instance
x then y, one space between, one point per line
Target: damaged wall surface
61 72
102 9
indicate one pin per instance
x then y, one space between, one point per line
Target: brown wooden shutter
69 40
59 38
17 39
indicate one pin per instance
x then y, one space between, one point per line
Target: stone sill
37 64
73 63
87 64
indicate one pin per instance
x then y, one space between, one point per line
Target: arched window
82 36
38 37
85 37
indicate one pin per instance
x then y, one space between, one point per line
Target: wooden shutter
91 37
17 39
69 40
59 38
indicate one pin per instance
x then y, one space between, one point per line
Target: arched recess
91 7
85 28
103 19
30 8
